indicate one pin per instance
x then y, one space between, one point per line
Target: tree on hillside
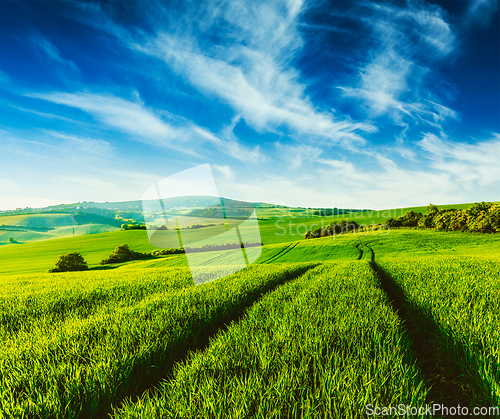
494 217
123 253
432 209
477 208
70 262
410 219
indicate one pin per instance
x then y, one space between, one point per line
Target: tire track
203 333
360 251
222 255
372 256
448 385
282 252
330 253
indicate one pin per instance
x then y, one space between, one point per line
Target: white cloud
470 165
142 123
294 155
84 145
43 45
250 67
47 115
118 113
227 172
481 11
409 41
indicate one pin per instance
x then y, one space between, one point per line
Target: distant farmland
315 328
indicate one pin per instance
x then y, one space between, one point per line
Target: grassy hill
314 328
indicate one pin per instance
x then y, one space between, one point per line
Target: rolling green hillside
314 328
41 256
38 220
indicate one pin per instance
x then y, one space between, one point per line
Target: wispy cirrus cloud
247 66
226 171
296 154
481 11
457 170
84 145
470 165
394 80
45 47
144 124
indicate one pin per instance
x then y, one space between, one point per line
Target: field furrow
80 368
457 300
326 345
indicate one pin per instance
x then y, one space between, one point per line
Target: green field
37 227
315 328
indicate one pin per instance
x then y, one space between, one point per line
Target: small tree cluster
134 227
409 219
481 217
335 227
123 253
70 262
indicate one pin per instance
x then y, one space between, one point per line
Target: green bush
391 222
483 217
335 227
70 262
123 253
494 217
410 219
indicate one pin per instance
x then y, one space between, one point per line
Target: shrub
476 209
164 252
410 219
123 253
443 220
458 221
391 222
70 262
335 227
483 217
494 217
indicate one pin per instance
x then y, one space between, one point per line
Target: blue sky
307 103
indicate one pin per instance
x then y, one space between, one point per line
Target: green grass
43 255
461 296
323 346
314 251
286 227
317 345
76 361
38 220
42 301
23 236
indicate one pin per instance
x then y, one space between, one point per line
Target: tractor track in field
448 385
329 253
205 332
281 253
219 257
360 251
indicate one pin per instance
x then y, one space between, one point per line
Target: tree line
335 227
482 217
